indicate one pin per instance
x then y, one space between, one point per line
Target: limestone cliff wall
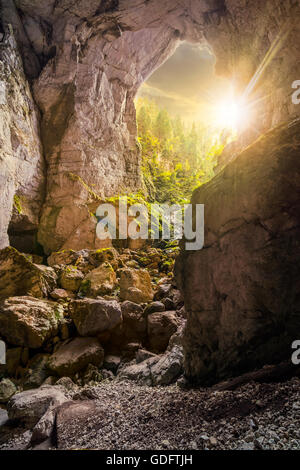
242 290
21 162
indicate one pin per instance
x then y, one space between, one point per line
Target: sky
186 84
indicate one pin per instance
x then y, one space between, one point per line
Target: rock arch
85 63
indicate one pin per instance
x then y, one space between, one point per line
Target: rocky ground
114 415
95 360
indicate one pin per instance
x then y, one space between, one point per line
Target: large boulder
242 291
95 316
27 321
169 367
100 281
161 326
19 276
134 321
156 370
28 407
71 278
139 373
135 285
74 355
84 260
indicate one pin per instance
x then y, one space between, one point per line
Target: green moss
92 193
84 288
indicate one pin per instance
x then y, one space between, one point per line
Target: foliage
176 158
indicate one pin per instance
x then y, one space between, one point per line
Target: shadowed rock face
242 290
86 61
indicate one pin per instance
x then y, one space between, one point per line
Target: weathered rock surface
87 63
101 281
92 317
135 285
19 276
22 168
161 326
71 278
169 367
241 290
156 370
74 355
27 321
134 321
7 390
31 405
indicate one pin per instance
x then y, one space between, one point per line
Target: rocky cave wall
86 60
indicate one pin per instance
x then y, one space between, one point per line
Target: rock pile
89 316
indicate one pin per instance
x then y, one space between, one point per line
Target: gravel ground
123 416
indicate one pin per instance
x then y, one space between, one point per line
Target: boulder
74 355
71 278
163 292
19 276
154 307
93 316
135 285
84 260
134 321
156 370
27 321
7 390
242 290
169 367
28 407
13 361
161 326
61 294
111 363
37 371
100 281
142 355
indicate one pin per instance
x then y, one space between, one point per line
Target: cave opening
186 116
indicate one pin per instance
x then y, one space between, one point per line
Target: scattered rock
67 383
168 368
27 321
71 278
142 355
61 294
161 326
74 355
28 407
140 373
100 281
37 371
111 363
135 285
93 316
162 292
154 307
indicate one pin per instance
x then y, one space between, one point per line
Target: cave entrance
186 115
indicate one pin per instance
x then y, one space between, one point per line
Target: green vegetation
17 204
176 157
